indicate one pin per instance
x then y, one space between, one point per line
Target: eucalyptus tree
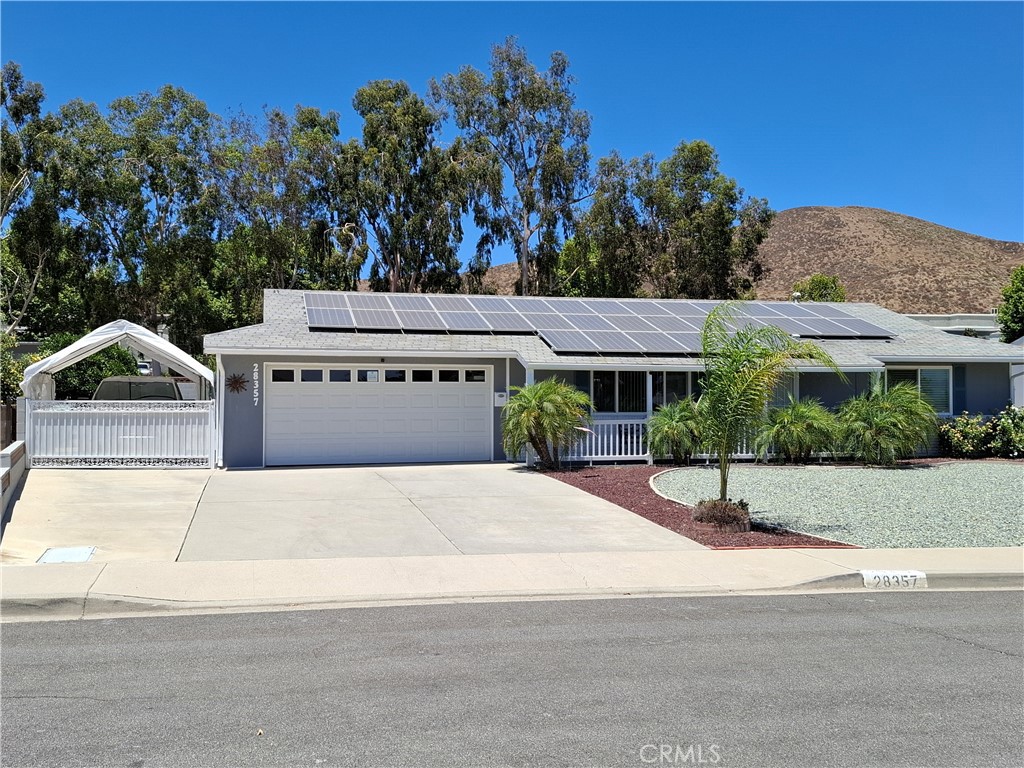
290 190
412 193
527 123
743 365
139 190
30 231
610 253
705 232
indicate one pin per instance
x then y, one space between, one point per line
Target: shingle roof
284 329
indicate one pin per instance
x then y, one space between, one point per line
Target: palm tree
797 430
883 424
743 365
548 415
673 430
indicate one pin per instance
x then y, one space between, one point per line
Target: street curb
78 606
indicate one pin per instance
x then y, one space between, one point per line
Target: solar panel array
632 326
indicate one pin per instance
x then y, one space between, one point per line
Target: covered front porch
625 399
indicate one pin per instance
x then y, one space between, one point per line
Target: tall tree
527 122
709 230
609 255
141 191
412 193
1011 310
30 231
292 208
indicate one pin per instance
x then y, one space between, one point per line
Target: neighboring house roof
284 331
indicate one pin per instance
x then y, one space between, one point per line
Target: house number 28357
255 384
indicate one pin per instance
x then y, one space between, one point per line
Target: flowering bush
977 437
1008 433
966 437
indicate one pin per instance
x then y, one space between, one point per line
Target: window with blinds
932 383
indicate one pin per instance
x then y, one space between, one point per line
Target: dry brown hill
902 263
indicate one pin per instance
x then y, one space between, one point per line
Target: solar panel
670 323
451 303
654 342
489 304
412 303
614 341
568 341
526 304
323 317
548 321
325 300
368 301
688 341
654 325
571 306
423 321
631 323
375 318
792 327
864 328
507 321
590 323
464 321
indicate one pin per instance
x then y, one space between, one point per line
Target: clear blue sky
917 108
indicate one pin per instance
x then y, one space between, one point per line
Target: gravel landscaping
955 504
629 487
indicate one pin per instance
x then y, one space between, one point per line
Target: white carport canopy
38 381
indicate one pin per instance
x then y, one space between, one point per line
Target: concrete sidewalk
92 590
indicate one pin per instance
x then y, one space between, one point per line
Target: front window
932 383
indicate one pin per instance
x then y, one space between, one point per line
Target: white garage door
375 415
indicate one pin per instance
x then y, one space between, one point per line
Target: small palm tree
548 415
742 366
673 430
797 430
883 424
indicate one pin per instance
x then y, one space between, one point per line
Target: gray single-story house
357 378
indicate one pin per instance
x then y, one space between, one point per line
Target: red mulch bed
628 487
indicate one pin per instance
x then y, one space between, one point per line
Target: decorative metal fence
128 433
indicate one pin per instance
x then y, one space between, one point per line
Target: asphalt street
887 679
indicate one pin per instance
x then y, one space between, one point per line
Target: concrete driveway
322 512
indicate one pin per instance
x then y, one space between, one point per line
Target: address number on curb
895 579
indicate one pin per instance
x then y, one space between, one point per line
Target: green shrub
966 437
673 430
797 430
882 425
1007 433
722 512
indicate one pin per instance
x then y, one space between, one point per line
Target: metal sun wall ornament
236 382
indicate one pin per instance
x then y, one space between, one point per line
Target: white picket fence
130 433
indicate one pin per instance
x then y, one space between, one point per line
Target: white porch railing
128 433
626 440
612 440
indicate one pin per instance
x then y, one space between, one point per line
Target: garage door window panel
445 375
394 375
313 375
282 375
422 375
368 375
340 377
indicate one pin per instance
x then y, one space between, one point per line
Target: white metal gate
123 433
